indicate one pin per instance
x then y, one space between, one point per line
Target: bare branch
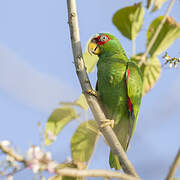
143 57
11 153
85 84
174 166
94 173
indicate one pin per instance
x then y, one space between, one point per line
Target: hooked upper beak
93 47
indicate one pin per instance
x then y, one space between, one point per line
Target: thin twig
94 173
11 153
143 57
174 166
99 116
15 171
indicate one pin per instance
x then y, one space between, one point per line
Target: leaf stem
143 57
133 47
99 116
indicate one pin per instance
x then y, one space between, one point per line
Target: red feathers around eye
102 39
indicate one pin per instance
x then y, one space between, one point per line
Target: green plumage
113 66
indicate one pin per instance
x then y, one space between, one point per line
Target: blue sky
36 73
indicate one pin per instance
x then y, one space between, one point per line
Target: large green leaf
129 20
156 4
168 34
84 140
90 60
56 122
150 72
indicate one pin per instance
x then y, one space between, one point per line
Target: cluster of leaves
129 21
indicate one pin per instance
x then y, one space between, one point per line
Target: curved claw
107 122
92 92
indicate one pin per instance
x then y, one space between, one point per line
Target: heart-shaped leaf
168 34
129 20
56 122
84 140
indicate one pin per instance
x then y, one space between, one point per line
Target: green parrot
119 87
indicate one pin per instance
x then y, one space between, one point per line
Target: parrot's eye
103 38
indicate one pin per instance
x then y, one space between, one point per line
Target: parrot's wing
134 88
134 91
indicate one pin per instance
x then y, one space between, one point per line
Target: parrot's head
103 43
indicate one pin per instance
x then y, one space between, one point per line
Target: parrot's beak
93 47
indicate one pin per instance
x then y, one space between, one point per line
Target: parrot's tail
114 161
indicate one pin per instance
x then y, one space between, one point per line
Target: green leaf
84 140
168 34
149 3
90 60
158 4
81 102
150 72
129 20
56 122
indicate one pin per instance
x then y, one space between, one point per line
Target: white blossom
5 143
170 65
51 166
39 160
10 177
34 152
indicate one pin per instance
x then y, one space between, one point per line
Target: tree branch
11 153
174 166
143 57
99 116
94 173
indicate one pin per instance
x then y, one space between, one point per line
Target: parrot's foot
107 122
92 92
